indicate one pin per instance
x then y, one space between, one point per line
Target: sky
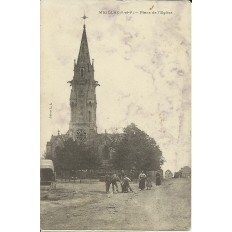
142 62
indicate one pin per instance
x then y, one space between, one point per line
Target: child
148 182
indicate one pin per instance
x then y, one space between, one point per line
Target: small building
185 172
168 174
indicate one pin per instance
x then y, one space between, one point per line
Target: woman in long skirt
142 179
158 179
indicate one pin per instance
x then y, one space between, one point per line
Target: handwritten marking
50 110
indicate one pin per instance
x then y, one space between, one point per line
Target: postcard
115 115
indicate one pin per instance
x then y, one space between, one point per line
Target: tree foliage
136 150
133 149
75 157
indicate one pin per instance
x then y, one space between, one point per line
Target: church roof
60 138
109 138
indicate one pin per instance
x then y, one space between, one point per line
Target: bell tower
83 103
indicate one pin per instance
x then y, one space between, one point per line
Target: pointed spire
83 57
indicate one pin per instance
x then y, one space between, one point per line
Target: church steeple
83 57
83 102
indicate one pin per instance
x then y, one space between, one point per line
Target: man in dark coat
108 182
114 180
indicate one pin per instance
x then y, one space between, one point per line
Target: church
83 106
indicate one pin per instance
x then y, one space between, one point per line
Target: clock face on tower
81 135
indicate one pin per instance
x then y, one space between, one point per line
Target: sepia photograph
115 113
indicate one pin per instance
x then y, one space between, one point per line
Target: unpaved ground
87 206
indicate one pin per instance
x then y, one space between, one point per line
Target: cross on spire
84 17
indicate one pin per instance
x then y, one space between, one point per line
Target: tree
75 157
137 150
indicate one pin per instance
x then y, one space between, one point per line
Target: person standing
158 179
142 179
122 174
114 180
108 182
148 182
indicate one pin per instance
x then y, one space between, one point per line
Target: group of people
145 181
113 179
